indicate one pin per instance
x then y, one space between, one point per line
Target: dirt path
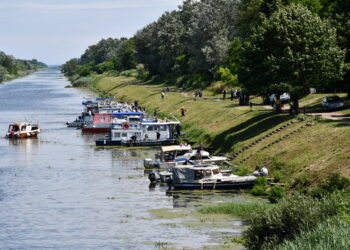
335 116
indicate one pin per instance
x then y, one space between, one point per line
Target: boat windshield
216 171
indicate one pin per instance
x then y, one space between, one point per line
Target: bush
242 170
129 73
258 190
286 220
275 194
333 183
83 81
331 234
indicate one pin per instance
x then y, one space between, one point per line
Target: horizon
57 31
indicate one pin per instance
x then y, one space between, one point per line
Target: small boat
22 130
207 176
101 123
179 154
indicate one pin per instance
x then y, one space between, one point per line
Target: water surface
59 191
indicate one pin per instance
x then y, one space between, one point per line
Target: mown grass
314 151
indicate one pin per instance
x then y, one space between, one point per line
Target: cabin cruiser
206 176
22 130
133 131
101 123
179 154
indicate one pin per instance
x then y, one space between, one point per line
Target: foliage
275 194
11 67
334 182
286 220
243 210
329 234
291 51
242 170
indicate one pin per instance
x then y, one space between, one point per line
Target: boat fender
126 125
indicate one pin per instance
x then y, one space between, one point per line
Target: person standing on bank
162 94
224 92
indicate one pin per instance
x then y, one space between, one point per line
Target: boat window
207 172
198 174
117 135
34 128
124 135
205 157
216 171
24 128
150 128
162 128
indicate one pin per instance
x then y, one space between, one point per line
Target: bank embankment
299 150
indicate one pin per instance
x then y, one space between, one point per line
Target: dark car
332 103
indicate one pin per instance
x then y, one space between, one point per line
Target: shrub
331 234
286 220
275 194
258 190
242 170
83 81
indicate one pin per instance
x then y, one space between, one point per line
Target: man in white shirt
264 172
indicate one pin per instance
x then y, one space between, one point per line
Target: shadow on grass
248 129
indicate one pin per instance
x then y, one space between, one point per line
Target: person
195 95
183 87
256 171
200 94
133 139
158 135
264 171
162 94
167 89
251 106
183 111
146 137
224 92
178 130
136 104
199 152
232 94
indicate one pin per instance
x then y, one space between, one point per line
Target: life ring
126 125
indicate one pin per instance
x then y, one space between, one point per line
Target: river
61 192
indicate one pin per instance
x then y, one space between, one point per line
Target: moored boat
204 176
22 130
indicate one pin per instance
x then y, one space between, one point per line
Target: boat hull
148 143
23 135
96 130
107 142
228 185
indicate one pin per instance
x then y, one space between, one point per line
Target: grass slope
301 157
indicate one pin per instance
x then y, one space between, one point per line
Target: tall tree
291 51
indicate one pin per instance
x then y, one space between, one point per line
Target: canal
59 191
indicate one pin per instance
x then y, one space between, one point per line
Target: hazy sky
54 31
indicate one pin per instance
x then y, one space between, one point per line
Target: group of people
261 172
242 97
197 94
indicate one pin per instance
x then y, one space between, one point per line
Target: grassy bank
299 150
20 74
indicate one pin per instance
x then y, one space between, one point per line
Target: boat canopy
159 123
89 102
104 98
176 148
123 114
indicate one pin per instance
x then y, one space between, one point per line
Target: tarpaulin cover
182 175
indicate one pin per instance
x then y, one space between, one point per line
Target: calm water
59 191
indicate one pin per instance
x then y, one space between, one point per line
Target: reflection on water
60 191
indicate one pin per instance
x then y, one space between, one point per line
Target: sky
54 31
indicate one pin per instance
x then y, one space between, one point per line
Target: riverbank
300 151
20 74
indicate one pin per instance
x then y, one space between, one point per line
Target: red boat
102 123
22 130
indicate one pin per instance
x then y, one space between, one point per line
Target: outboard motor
152 177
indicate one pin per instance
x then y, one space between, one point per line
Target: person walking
183 112
224 92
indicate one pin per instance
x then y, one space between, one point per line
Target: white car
332 103
284 98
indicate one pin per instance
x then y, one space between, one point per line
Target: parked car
284 98
332 103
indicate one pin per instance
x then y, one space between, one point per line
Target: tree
291 51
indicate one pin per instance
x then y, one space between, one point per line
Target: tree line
11 67
263 46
